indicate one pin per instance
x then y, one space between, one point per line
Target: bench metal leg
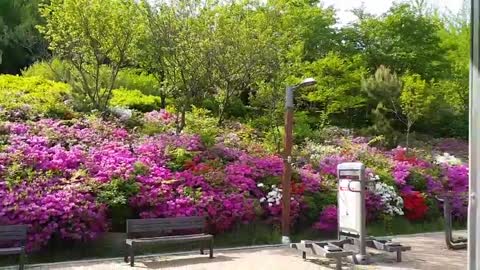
399 255
132 256
211 249
201 248
21 263
338 262
125 258
304 255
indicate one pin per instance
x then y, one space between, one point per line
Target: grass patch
400 225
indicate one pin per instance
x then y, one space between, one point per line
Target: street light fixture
287 159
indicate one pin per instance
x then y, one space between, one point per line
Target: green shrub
210 104
28 97
273 139
317 201
134 99
236 108
386 177
434 211
199 121
55 70
417 180
302 128
115 195
116 192
137 79
178 157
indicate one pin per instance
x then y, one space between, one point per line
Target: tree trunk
181 123
163 101
407 139
221 113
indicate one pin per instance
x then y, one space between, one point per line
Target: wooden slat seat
166 231
171 239
14 233
10 251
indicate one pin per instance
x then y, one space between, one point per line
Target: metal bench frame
18 233
452 243
143 231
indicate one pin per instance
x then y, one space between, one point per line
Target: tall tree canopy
235 58
20 43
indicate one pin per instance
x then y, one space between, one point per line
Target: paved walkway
428 252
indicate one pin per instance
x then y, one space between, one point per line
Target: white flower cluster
230 139
393 202
317 152
446 158
273 197
373 177
122 113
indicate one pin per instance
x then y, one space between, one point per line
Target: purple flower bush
64 178
328 220
52 174
401 174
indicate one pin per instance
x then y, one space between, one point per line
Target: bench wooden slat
12 250
164 224
154 230
171 239
13 232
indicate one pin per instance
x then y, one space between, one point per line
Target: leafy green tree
402 39
415 100
338 89
95 39
384 89
155 45
301 31
455 37
137 79
186 70
239 51
20 43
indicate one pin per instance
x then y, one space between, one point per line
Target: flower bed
66 178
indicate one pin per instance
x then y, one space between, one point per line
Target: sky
380 6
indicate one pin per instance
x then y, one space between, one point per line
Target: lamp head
307 82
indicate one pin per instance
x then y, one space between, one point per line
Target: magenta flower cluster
51 173
328 220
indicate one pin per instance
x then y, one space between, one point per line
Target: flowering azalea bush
446 158
328 219
65 178
415 206
62 177
393 203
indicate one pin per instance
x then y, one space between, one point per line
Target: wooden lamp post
287 158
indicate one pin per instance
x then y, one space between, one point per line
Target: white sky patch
378 7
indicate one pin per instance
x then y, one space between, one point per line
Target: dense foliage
236 59
20 43
34 97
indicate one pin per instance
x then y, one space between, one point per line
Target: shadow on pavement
178 262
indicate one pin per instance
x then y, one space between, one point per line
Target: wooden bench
165 231
14 233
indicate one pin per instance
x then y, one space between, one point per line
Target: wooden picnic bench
14 233
165 231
